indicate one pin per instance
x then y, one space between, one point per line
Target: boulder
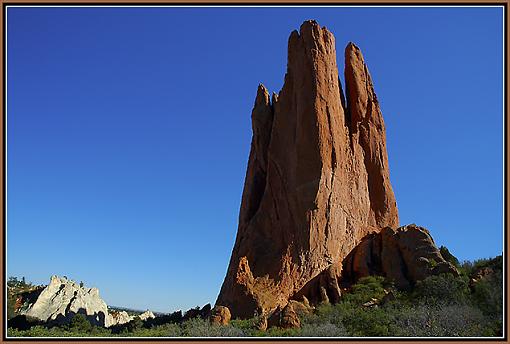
317 180
220 315
289 316
404 255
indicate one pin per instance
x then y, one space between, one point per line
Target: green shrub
281 332
135 324
366 289
166 330
351 319
326 314
488 296
443 288
439 321
244 324
372 322
198 327
466 268
79 323
322 330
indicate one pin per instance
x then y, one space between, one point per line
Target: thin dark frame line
250 4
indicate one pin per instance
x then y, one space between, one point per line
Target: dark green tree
12 281
135 324
79 323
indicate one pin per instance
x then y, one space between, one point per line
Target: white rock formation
147 315
63 298
60 300
119 318
122 317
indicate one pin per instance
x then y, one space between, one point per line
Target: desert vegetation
470 304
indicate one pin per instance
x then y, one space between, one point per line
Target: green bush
198 327
488 296
371 322
351 319
366 289
166 330
281 332
466 268
11 301
443 288
322 330
439 321
79 323
135 324
59 331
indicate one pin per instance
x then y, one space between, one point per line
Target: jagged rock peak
262 95
317 179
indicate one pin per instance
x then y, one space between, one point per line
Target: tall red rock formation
317 179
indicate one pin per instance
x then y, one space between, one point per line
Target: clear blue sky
129 132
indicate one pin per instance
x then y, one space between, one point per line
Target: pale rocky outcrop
119 318
123 317
317 180
60 300
146 315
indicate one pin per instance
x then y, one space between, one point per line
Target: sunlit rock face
62 299
317 179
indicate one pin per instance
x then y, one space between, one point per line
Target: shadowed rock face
405 255
317 179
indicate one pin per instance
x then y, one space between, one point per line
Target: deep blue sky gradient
129 132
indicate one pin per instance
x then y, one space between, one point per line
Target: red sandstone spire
317 179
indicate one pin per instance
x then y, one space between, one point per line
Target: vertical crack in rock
317 180
333 168
255 182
